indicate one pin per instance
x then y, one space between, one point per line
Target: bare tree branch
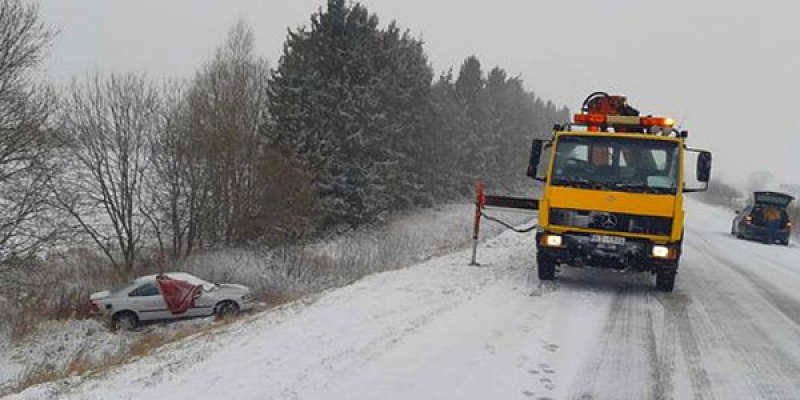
108 129
26 139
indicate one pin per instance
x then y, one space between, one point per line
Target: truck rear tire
546 268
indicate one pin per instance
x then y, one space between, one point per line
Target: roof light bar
657 121
601 119
590 119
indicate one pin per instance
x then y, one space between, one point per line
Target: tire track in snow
633 358
626 354
678 326
789 306
770 372
666 349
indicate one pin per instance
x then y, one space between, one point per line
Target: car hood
773 198
230 288
100 295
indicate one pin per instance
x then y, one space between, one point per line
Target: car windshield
620 164
207 286
119 287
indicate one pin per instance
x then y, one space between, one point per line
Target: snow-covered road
445 330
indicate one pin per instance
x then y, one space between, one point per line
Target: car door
203 305
147 301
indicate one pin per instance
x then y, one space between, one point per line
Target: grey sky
729 71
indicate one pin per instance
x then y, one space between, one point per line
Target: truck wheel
665 279
546 267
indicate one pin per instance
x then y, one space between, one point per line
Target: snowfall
443 329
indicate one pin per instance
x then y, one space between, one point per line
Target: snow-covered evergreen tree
487 122
352 101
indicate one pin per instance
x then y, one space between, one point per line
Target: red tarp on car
179 295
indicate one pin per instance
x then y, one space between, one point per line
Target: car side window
148 289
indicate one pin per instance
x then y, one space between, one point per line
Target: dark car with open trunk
752 222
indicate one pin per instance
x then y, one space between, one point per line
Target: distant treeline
350 125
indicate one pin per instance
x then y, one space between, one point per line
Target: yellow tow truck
613 191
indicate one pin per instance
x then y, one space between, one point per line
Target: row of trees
359 106
351 125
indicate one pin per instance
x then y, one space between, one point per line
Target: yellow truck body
628 217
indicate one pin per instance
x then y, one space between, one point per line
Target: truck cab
613 195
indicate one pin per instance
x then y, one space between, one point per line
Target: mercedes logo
608 221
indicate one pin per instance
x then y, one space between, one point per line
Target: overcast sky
729 71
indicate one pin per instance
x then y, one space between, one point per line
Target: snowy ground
408 238
444 330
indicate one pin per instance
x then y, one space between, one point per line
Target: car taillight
93 306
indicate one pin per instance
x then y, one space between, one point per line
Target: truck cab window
635 165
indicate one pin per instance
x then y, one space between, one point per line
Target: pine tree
352 101
486 123
449 172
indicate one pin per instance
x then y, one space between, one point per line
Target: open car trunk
780 200
179 295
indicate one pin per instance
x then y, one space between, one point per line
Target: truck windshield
620 164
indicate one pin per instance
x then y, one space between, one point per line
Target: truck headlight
552 240
661 252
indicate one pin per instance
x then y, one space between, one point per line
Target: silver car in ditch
140 300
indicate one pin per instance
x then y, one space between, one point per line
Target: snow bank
404 241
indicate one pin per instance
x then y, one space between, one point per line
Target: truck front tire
546 268
665 278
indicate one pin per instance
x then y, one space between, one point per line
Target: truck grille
612 222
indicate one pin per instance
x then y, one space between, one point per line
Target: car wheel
226 309
124 321
546 268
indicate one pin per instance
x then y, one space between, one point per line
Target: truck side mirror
704 166
536 154
703 173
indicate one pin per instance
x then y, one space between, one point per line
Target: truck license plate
603 239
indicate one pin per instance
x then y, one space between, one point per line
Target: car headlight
247 297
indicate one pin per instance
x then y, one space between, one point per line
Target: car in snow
168 296
751 221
